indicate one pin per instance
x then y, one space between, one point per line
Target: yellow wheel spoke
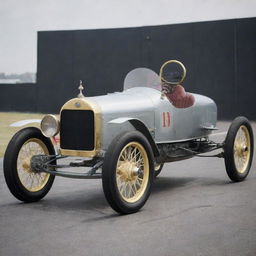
133 189
130 183
32 181
242 149
138 183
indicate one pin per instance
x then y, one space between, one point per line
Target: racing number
166 119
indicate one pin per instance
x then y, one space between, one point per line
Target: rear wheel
24 183
127 172
238 149
158 169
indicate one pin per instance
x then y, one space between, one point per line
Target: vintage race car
124 138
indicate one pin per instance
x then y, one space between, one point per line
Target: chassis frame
43 163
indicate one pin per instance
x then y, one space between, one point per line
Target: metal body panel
166 123
174 124
118 108
142 106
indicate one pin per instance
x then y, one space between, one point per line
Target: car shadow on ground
94 200
169 183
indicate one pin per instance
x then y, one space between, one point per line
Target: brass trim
168 62
80 88
79 153
85 104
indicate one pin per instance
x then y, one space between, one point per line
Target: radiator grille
77 130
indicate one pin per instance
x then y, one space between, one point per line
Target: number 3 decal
166 119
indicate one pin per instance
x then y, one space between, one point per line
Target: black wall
220 57
18 97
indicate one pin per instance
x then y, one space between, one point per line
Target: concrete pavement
194 209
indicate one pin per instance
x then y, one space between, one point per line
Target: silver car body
144 104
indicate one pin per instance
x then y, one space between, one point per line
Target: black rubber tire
157 172
10 165
231 168
109 183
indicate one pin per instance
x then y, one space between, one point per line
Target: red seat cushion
180 98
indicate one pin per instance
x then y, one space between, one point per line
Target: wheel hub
26 165
241 150
128 171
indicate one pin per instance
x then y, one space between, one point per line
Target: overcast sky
21 19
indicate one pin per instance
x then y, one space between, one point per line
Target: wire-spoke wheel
127 172
238 149
24 183
32 181
158 169
242 148
132 172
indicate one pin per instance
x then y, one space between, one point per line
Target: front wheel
24 183
128 172
238 149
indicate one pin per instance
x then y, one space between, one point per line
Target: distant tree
2 75
27 77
